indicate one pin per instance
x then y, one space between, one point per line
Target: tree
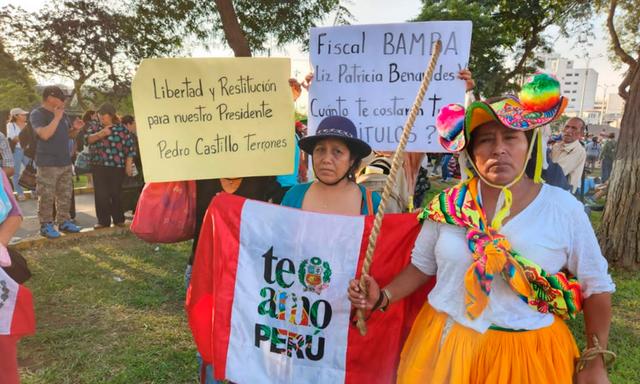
619 230
510 29
17 87
83 41
245 25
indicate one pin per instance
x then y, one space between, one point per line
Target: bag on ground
166 212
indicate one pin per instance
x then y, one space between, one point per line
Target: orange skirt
466 356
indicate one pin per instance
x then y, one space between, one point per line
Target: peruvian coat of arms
314 275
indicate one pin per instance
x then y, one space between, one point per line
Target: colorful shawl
559 293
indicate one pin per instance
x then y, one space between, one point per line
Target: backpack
374 176
27 138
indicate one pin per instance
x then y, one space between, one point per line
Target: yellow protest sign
213 118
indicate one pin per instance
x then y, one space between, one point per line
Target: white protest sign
371 74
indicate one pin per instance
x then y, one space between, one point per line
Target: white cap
18 111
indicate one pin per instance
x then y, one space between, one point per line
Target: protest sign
371 74
213 118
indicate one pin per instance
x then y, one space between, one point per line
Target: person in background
54 176
569 153
607 156
132 189
87 117
6 156
593 152
112 158
17 121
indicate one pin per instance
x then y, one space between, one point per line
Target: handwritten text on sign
371 74
213 118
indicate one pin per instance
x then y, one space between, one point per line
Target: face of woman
132 127
105 119
21 118
331 160
500 153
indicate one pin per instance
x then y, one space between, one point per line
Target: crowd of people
102 145
486 320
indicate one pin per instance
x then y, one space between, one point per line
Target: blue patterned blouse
112 150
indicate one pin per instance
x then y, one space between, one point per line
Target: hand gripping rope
397 163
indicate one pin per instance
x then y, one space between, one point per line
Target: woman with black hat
112 158
336 154
497 315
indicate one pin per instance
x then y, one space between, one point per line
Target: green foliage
627 25
83 41
558 124
285 21
17 87
510 29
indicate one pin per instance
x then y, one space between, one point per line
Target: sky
398 11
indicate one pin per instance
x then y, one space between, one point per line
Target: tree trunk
619 230
77 89
232 30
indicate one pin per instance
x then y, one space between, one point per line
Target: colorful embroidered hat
540 103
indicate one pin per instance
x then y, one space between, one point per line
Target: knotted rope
397 163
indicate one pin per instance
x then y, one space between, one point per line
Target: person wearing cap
514 258
336 154
17 121
54 181
112 157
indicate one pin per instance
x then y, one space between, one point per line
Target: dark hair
11 119
127 119
612 135
86 116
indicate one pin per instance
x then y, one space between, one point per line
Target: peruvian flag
16 320
268 296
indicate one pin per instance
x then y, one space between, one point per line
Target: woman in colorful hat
336 154
513 257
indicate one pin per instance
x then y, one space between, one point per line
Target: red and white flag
16 308
268 296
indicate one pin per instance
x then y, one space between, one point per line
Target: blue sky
397 11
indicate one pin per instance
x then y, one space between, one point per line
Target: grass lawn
111 310
108 310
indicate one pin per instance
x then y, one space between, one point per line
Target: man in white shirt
569 153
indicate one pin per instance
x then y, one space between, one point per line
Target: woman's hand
593 373
373 293
106 131
465 75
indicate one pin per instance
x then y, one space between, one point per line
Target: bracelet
377 304
591 353
388 295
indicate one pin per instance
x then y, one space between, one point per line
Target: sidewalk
85 218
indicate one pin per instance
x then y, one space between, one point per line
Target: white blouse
12 131
553 232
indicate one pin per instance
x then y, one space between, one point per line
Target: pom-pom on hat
543 105
450 123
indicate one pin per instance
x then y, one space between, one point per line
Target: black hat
336 127
55 91
106 109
